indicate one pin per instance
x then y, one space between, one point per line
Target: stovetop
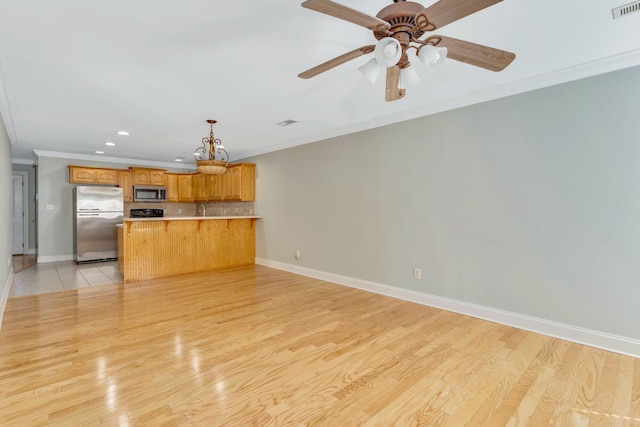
146 213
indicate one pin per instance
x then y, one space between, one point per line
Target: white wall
529 204
6 271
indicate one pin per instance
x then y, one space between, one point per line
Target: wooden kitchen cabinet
172 187
237 184
200 188
125 181
149 176
179 187
185 188
240 182
90 175
216 188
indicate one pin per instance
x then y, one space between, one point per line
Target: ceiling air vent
621 11
287 122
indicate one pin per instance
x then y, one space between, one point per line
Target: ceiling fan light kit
399 28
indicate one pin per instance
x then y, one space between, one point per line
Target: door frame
25 209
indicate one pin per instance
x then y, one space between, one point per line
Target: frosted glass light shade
408 77
432 56
388 52
371 70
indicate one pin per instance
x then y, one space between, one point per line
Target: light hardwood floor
257 346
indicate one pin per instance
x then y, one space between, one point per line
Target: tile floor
63 276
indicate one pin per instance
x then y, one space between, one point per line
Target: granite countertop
191 218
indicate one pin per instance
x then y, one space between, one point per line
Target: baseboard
54 258
603 340
5 295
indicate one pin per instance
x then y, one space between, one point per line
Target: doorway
20 213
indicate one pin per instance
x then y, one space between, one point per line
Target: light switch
49 207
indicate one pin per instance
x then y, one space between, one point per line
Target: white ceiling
73 72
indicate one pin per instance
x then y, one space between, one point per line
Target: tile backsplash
228 208
194 209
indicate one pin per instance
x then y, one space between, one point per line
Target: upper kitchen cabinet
125 181
200 188
149 176
172 187
90 175
237 184
240 182
179 187
216 187
185 188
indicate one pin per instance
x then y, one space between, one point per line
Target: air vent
287 122
621 11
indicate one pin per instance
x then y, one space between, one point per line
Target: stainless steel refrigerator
96 211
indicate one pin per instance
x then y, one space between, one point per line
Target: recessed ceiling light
178 159
110 144
123 132
99 152
287 122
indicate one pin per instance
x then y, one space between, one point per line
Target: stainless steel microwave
149 194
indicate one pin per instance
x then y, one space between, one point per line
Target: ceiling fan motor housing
401 18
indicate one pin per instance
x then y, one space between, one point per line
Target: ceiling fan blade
445 12
312 72
339 11
474 54
392 92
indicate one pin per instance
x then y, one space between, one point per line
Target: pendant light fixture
205 156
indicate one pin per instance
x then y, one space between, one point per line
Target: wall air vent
621 11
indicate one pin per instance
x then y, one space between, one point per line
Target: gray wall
5 217
31 191
55 227
529 204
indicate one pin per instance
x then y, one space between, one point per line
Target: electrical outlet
297 254
417 273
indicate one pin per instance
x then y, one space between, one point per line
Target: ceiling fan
400 27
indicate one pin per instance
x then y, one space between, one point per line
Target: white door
18 216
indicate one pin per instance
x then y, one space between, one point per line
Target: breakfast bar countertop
191 218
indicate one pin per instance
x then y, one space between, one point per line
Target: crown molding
569 74
5 109
23 162
120 160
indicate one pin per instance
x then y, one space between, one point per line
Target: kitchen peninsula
156 247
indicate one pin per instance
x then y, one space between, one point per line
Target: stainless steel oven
149 194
